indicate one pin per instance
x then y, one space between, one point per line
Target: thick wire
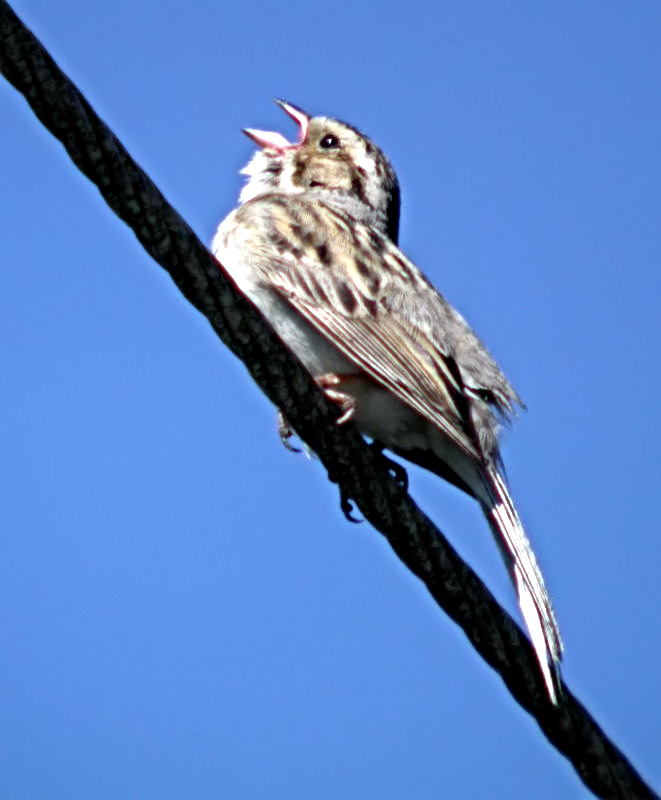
361 475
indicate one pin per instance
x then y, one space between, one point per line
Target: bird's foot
330 382
347 506
397 471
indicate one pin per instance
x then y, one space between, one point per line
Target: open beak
276 141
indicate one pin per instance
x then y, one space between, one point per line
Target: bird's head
331 161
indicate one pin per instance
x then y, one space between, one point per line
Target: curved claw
397 471
285 432
329 382
346 505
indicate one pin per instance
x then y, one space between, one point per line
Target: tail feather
533 597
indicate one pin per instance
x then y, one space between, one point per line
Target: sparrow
313 244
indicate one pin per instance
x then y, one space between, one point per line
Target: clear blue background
184 612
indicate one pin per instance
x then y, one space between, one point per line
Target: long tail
534 599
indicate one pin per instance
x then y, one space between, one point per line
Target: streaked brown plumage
313 245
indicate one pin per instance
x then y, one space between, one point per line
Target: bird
313 244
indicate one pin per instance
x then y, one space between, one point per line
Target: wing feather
358 290
390 357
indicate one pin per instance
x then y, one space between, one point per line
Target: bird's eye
329 142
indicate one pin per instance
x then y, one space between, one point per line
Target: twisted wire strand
349 461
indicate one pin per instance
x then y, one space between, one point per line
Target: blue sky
184 611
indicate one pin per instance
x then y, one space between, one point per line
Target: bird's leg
329 383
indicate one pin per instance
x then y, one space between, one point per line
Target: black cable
360 473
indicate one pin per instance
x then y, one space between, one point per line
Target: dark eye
329 142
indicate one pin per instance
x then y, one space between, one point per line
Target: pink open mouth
276 141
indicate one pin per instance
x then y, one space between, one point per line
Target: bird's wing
357 289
